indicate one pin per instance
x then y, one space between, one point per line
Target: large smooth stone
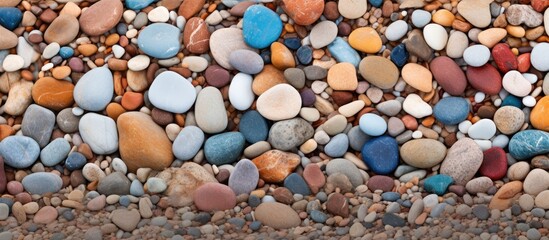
42 182
53 94
209 111
529 143
19 151
99 132
303 12
94 90
274 165
423 153
347 168
462 161
168 86
260 26
343 52
379 71
381 154
142 143
138 4
214 197
38 123
448 75
159 40
451 110
62 30
55 152
244 177
279 102
10 17
224 148
253 126
101 17
241 94
277 215
188 142
288 134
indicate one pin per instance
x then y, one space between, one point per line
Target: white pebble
118 51
77 111
532 78
159 14
417 134
13 63
479 97
476 55
464 126
214 18
500 141
195 64
180 22
129 16
529 101
139 63
47 67
131 33
484 144
51 50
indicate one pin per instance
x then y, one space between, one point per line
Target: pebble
365 39
514 83
397 30
99 132
462 161
277 215
244 177
536 181
343 52
11 17
476 12
96 21
246 61
479 185
537 59
167 34
485 78
38 123
167 86
476 55
337 146
19 151
279 102
94 90
372 124
125 219
188 142
55 152
528 143
381 154
415 153
483 129
42 182
210 112
352 9
45 215
224 148
347 168
451 79
459 110
415 106
114 183
438 184
457 43
214 197
287 134
323 34
435 35
275 165
223 42
379 71
260 26
518 14
417 76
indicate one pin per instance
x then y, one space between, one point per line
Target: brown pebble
162 117
77 178
85 149
330 10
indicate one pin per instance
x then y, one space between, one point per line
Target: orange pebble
132 100
409 122
523 62
114 110
428 121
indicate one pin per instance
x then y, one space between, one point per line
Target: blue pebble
138 4
121 29
305 54
292 43
42 182
399 55
338 145
318 216
372 124
159 40
136 188
376 3
451 110
75 161
66 52
381 154
437 184
390 196
7 201
511 100
224 148
55 152
296 184
19 151
255 225
10 17
343 52
254 201
266 56
406 203
260 26
124 201
254 127
529 143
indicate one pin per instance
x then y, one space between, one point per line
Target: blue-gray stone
437 184
246 61
68 215
55 152
260 26
138 4
357 138
136 188
338 145
238 222
253 126
42 182
244 177
381 154
188 142
347 168
7 201
296 184
392 219
124 201
390 196
343 52
75 161
159 40
38 124
254 201
529 143
10 17
94 90
304 54
19 151
451 110
114 183
318 216
224 148
438 209
255 225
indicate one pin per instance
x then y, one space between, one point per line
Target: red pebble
381 182
504 58
485 78
448 75
539 5
523 62
494 163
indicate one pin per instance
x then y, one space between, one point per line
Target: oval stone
423 153
99 132
303 12
210 112
62 30
277 215
94 90
196 36
42 182
287 134
224 148
19 151
188 142
451 110
260 26
279 102
381 154
244 177
101 17
159 40
379 71
448 75
462 161
214 197
485 78
529 143
223 42
53 94
168 86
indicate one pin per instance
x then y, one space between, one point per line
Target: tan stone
7 39
492 36
101 17
379 71
418 77
267 78
342 76
183 181
19 98
62 30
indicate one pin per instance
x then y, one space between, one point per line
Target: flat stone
437 184
323 33
224 148
423 153
451 79
462 161
347 168
274 165
182 182
528 143
379 71
38 123
96 21
246 61
214 197
42 182
303 12
476 12
210 112
223 42
169 85
19 151
381 154
53 94
165 34
94 90
260 26
55 152
288 134
244 177
253 126
277 215
343 52
114 183
125 219
62 30
99 132
188 142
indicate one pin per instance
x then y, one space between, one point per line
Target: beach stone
479 185
126 219
380 182
435 36
155 33
452 79
528 143
45 215
372 124
476 12
94 90
277 215
518 14
541 200
476 55
214 197
137 4
67 121
55 152
365 39
536 181
62 30
169 85
314 177
437 184
352 9
538 115
196 36
114 183
241 94
274 165
187 9
149 147
379 71
457 43
183 181
99 132
288 134
266 79
297 185
416 45
303 12
516 84
75 161
322 33
217 76
504 58
415 153
537 59
42 182
415 106
246 61
343 52
96 21
399 55
11 17
503 198
7 39
38 123
224 148
462 161
260 26
279 102
53 94
509 119
244 177
347 168
483 129
253 126
19 98
451 110
490 37
223 42
281 56
420 18
210 112
396 30
381 154
19 151
188 142
417 76
485 78
494 163
13 63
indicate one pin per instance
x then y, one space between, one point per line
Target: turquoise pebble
437 184
159 40
343 52
260 26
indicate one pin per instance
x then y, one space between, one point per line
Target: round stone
476 55
423 153
159 40
372 124
168 86
279 102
